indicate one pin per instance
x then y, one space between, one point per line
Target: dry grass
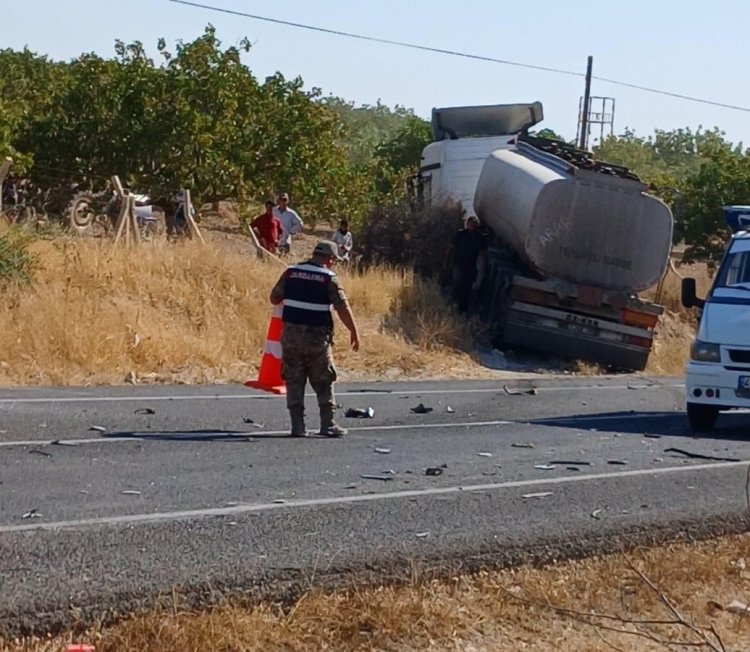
516 609
187 313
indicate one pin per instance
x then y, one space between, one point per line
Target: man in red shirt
268 228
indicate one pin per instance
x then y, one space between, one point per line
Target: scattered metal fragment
360 413
98 428
373 476
36 451
484 454
131 492
617 462
523 445
383 451
596 514
145 411
433 470
518 391
421 409
545 467
32 514
700 456
540 494
570 463
449 409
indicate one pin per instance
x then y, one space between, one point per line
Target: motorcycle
96 213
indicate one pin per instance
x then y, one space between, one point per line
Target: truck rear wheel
702 417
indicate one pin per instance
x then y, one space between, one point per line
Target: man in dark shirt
469 246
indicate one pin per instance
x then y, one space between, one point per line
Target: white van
718 373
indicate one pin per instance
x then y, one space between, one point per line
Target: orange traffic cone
269 376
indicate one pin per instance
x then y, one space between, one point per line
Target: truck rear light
636 318
644 342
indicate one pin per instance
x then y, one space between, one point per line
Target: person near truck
468 248
308 292
291 222
343 239
268 228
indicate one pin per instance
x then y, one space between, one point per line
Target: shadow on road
733 427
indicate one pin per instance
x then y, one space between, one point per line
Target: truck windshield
734 272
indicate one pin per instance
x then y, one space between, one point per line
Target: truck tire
702 417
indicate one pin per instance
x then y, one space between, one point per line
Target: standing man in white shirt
343 239
291 223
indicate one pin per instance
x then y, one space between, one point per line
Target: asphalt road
112 497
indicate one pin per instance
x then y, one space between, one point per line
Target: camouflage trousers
306 355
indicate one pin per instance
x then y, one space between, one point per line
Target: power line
455 53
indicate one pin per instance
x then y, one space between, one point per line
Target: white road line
249 396
136 519
156 436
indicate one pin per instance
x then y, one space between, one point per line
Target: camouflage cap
327 248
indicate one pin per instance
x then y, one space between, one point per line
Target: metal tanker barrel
579 225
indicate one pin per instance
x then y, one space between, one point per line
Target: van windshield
734 272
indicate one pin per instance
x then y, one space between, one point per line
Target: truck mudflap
572 335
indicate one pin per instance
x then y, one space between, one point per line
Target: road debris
62 442
252 423
617 462
648 435
523 445
421 409
369 390
596 514
422 535
484 454
545 467
641 385
131 492
383 451
433 470
540 494
279 501
36 451
359 413
520 391
449 409
570 463
98 428
32 514
700 456
145 411
374 476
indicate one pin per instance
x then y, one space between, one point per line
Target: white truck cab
718 372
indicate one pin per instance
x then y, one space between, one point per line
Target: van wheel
702 417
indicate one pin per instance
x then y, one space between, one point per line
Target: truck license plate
744 383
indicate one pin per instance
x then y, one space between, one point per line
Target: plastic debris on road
617 462
449 409
433 470
374 476
521 391
359 413
540 494
131 492
484 454
31 514
700 456
98 428
145 411
523 445
596 514
421 409
383 451
422 535
545 467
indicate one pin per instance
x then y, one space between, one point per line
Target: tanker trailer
573 240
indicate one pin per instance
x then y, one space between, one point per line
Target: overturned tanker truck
573 240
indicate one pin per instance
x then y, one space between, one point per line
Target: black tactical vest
306 295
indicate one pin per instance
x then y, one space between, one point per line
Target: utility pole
586 101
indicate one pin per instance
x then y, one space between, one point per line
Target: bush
394 234
17 263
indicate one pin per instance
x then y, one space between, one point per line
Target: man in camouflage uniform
308 292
